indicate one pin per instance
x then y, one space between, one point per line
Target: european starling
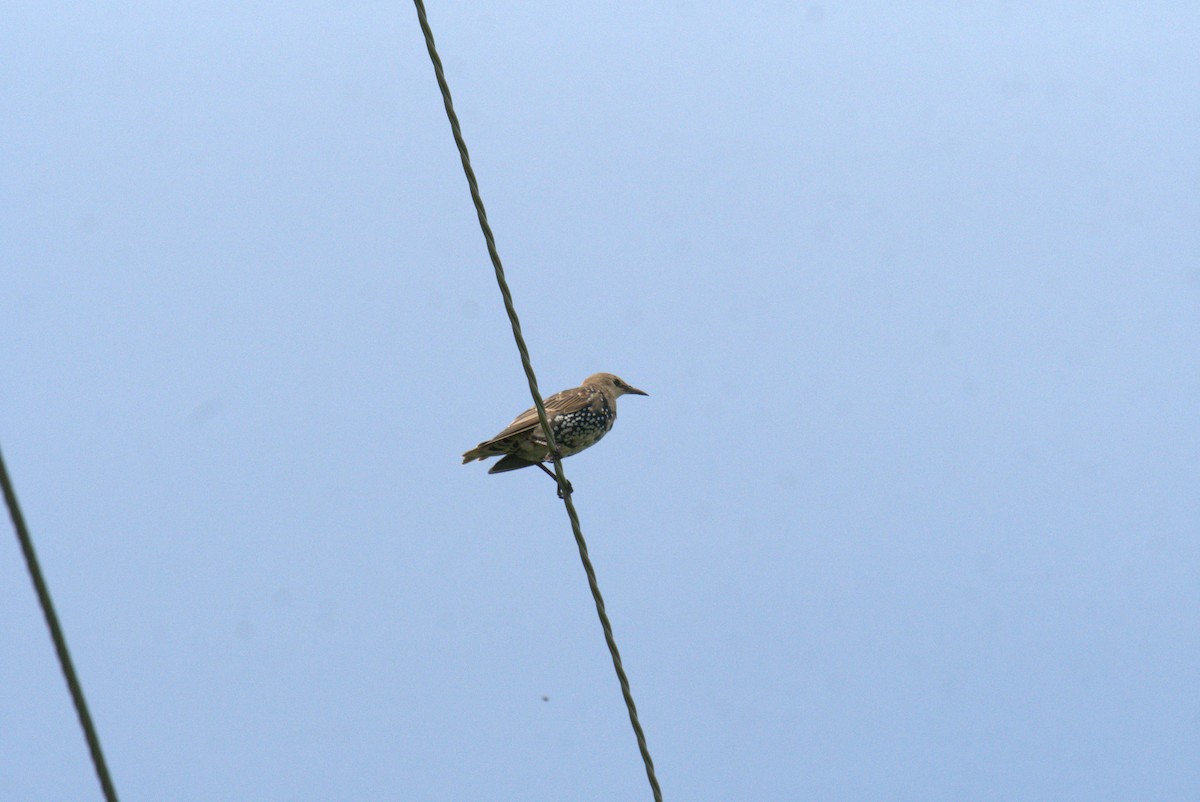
579 418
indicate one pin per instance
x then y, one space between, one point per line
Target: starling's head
616 385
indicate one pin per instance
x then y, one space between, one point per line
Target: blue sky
910 512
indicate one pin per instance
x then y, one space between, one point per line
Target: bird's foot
554 476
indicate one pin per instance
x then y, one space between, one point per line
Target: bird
579 417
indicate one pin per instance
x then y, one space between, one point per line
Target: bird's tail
510 463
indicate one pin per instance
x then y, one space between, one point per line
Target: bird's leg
552 475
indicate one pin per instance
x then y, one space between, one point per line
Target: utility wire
56 634
564 486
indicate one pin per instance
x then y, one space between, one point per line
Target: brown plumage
578 417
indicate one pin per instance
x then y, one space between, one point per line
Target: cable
537 398
56 634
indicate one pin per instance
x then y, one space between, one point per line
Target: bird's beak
635 391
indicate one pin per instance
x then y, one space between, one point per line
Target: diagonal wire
56 634
564 487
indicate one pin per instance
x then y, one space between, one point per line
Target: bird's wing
557 404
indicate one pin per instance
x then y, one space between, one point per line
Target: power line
537 398
56 634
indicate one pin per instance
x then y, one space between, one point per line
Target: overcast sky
911 511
